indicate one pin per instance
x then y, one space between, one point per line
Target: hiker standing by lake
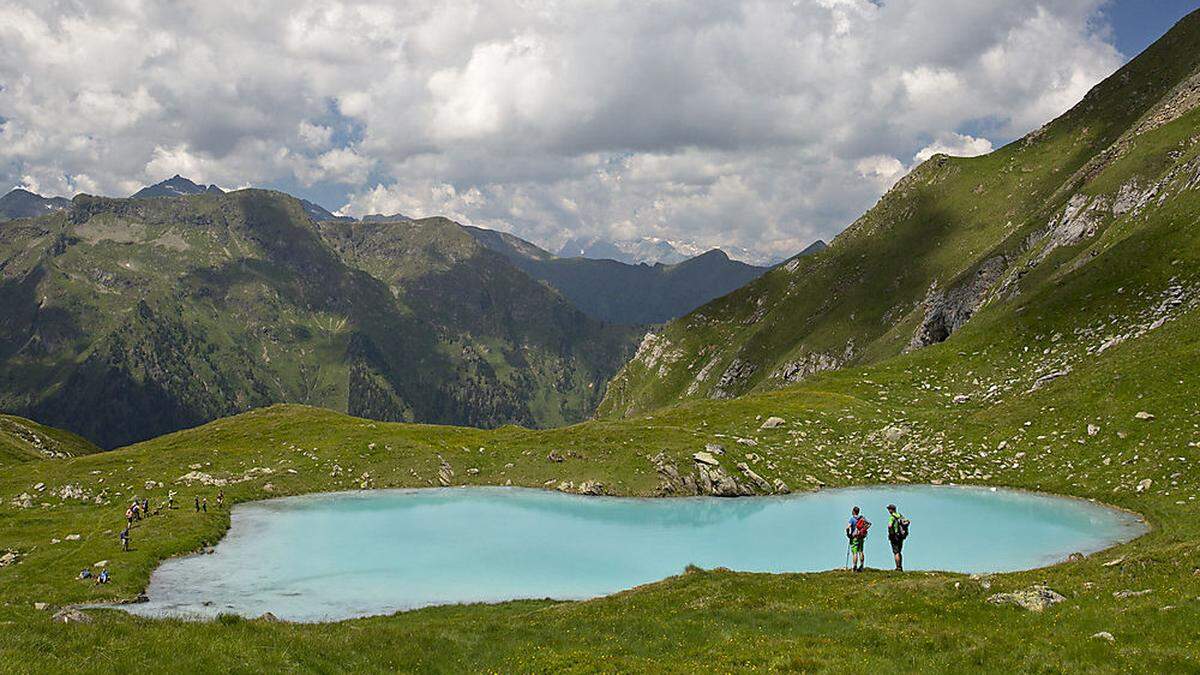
897 533
856 532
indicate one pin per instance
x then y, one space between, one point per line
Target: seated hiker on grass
856 532
85 573
897 533
103 578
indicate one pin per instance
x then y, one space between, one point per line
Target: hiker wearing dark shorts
856 532
125 539
897 533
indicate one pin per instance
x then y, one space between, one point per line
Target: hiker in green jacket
897 533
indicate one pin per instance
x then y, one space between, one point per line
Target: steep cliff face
955 238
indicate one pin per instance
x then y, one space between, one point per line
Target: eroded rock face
732 379
947 311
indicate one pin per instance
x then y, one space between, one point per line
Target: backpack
861 527
900 529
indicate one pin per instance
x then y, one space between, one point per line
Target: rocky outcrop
708 477
812 363
1034 599
732 379
947 311
445 472
70 615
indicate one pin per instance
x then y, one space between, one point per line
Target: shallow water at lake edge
342 555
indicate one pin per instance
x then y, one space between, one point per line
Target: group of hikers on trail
856 532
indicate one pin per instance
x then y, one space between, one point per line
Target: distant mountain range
651 250
619 292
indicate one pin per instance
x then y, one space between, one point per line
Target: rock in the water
1034 599
71 615
773 423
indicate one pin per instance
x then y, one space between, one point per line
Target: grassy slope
22 440
861 300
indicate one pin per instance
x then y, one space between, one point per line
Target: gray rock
1034 599
705 458
758 480
1123 595
445 472
1104 635
773 423
70 615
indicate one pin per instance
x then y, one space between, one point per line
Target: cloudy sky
760 124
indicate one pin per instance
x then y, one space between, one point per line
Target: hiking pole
847 555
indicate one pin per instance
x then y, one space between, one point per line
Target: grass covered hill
22 440
956 239
129 318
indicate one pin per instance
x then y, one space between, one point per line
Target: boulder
1034 599
1104 635
70 615
758 480
715 448
40 606
705 458
8 558
1143 415
962 398
781 488
554 457
773 423
1123 595
592 488
269 618
1144 485
1075 557
1092 430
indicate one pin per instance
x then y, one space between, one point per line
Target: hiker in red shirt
856 532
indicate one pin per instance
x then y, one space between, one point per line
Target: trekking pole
847 555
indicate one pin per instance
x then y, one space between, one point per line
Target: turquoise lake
337 556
